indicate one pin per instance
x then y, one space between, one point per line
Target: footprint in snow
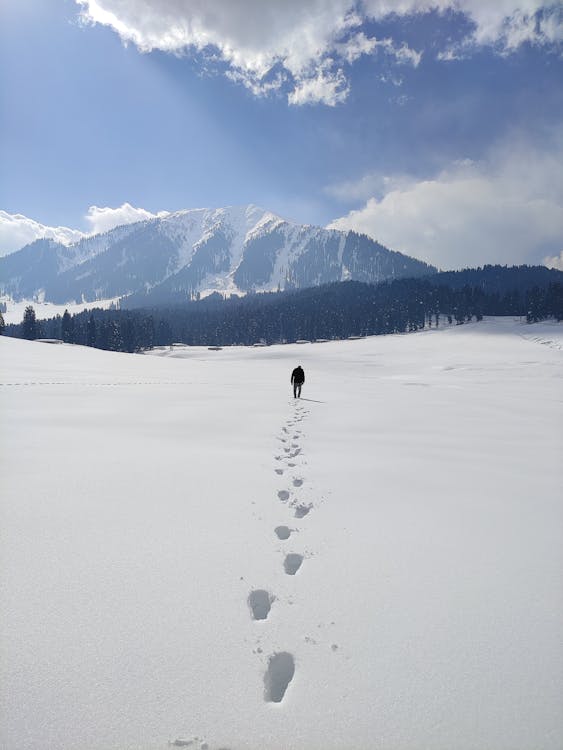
283 495
278 471
194 743
281 668
282 532
292 563
302 510
260 603
297 482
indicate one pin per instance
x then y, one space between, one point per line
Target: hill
190 253
338 310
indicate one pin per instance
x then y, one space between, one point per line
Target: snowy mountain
230 250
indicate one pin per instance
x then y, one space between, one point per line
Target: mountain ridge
193 252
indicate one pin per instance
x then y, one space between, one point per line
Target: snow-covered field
15 310
420 482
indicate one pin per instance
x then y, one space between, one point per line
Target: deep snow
187 552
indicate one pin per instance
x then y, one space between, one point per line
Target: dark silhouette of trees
332 311
164 333
2 324
30 329
544 303
91 336
67 328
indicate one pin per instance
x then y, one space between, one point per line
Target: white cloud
393 79
506 23
104 219
359 44
325 85
452 53
310 40
513 23
403 54
507 209
251 36
356 46
554 261
367 186
258 86
17 230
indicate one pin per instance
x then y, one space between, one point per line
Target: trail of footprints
281 665
280 669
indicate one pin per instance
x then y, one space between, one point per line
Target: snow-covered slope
146 499
231 250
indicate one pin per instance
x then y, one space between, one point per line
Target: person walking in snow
297 378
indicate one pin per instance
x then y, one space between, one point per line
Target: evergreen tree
91 331
147 332
2 324
164 333
129 334
54 326
30 329
67 328
115 340
102 338
333 311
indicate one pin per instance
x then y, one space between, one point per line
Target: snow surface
91 245
240 224
151 506
15 309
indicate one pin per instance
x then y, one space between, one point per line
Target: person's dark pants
297 390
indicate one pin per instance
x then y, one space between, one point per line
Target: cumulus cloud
104 219
506 209
17 230
310 40
505 24
252 36
325 85
370 185
554 261
356 46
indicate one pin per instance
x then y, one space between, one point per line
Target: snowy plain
15 310
145 497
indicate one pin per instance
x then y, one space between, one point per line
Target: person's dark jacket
298 375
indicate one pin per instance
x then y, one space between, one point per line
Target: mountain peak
171 258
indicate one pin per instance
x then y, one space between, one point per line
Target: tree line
337 310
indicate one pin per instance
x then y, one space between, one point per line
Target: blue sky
439 130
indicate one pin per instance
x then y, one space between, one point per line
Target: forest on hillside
333 311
